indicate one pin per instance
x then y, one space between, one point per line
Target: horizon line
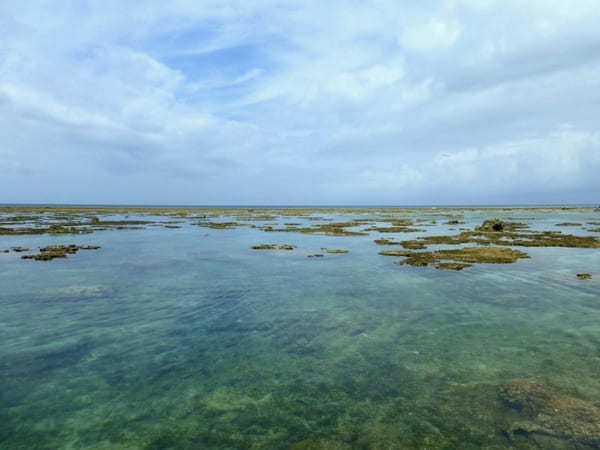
248 205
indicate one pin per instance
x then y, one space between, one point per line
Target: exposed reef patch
395 229
460 258
330 229
264 247
273 247
497 232
386 242
58 251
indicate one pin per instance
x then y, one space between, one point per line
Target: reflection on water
187 338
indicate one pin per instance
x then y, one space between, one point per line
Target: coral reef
396 253
273 247
330 229
395 229
497 232
460 258
497 225
264 247
549 412
386 242
58 251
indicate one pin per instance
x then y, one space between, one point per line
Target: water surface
188 338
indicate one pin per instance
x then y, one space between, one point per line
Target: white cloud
435 33
375 97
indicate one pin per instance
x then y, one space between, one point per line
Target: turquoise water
187 338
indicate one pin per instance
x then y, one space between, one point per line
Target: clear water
187 338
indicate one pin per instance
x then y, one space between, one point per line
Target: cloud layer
452 102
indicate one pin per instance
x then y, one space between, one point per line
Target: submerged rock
453 266
549 412
320 444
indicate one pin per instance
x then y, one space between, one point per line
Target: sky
370 102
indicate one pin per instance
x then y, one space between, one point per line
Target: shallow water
187 338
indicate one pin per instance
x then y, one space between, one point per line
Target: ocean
188 338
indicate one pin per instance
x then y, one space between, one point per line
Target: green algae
336 250
584 276
568 224
316 255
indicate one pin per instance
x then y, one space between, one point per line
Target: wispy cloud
362 102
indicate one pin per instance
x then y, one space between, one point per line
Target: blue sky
308 102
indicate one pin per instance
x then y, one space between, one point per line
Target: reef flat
304 328
19 221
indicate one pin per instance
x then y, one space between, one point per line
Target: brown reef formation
58 251
546 411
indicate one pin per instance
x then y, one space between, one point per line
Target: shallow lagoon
188 338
